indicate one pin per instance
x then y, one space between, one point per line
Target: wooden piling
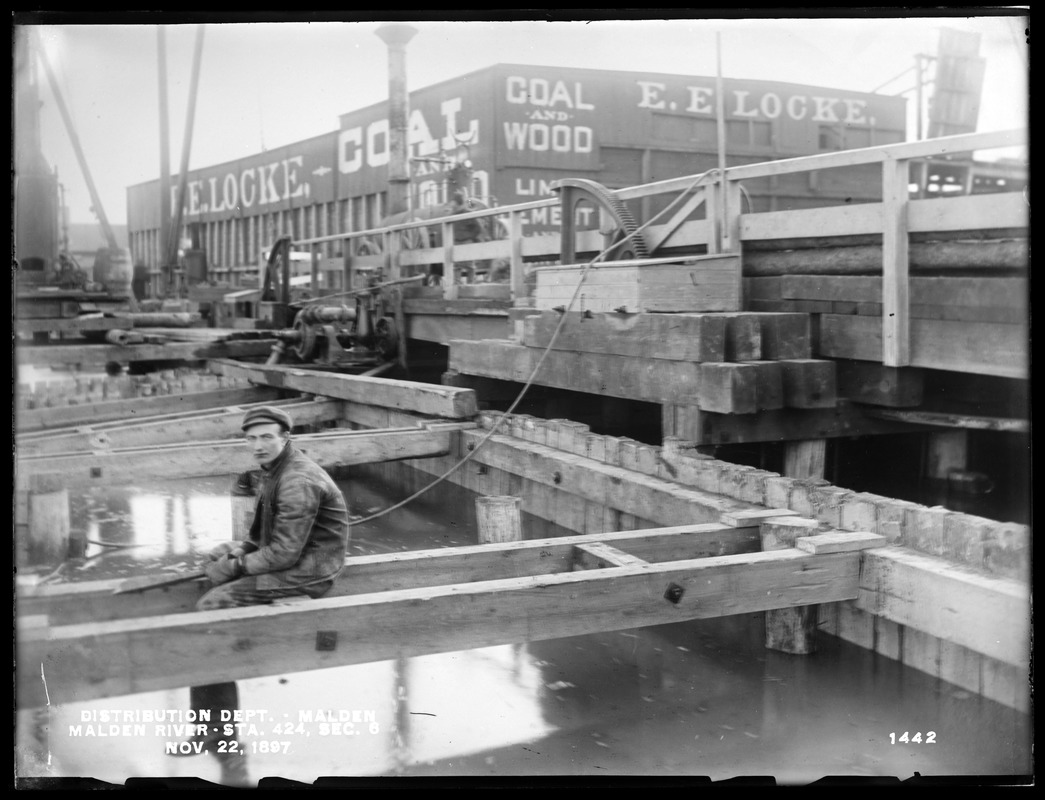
48 521
789 630
499 518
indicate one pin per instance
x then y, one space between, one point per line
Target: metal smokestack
396 38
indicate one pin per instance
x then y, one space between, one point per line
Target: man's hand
223 570
224 548
234 549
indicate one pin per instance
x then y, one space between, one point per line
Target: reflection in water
686 699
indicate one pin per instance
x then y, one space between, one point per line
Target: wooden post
499 518
48 520
805 459
789 630
518 266
793 630
896 323
947 450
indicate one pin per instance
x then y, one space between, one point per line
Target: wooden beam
644 496
839 542
649 380
809 383
600 555
73 324
90 413
1008 293
222 424
330 450
830 258
89 661
947 420
877 384
976 347
677 337
52 355
424 398
95 601
788 424
727 388
985 614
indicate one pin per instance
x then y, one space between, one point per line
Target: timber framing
200 425
436 401
40 419
223 457
99 354
85 661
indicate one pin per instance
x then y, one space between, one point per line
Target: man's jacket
300 524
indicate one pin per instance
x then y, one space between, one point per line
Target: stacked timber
958 323
693 364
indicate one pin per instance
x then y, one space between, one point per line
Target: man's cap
266 414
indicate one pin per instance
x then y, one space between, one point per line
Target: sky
267 84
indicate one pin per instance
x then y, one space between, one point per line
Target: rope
533 374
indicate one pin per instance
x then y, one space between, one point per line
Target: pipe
165 146
396 38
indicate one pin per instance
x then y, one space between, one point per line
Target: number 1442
916 738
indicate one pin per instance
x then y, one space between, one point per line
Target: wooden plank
682 337
1011 293
755 516
73 324
973 347
458 307
224 424
839 542
52 355
600 555
787 424
424 398
940 419
988 615
969 212
330 450
90 661
841 256
177 416
107 410
701 283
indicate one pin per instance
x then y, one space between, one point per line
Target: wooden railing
725 226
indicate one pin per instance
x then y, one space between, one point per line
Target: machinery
363 335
